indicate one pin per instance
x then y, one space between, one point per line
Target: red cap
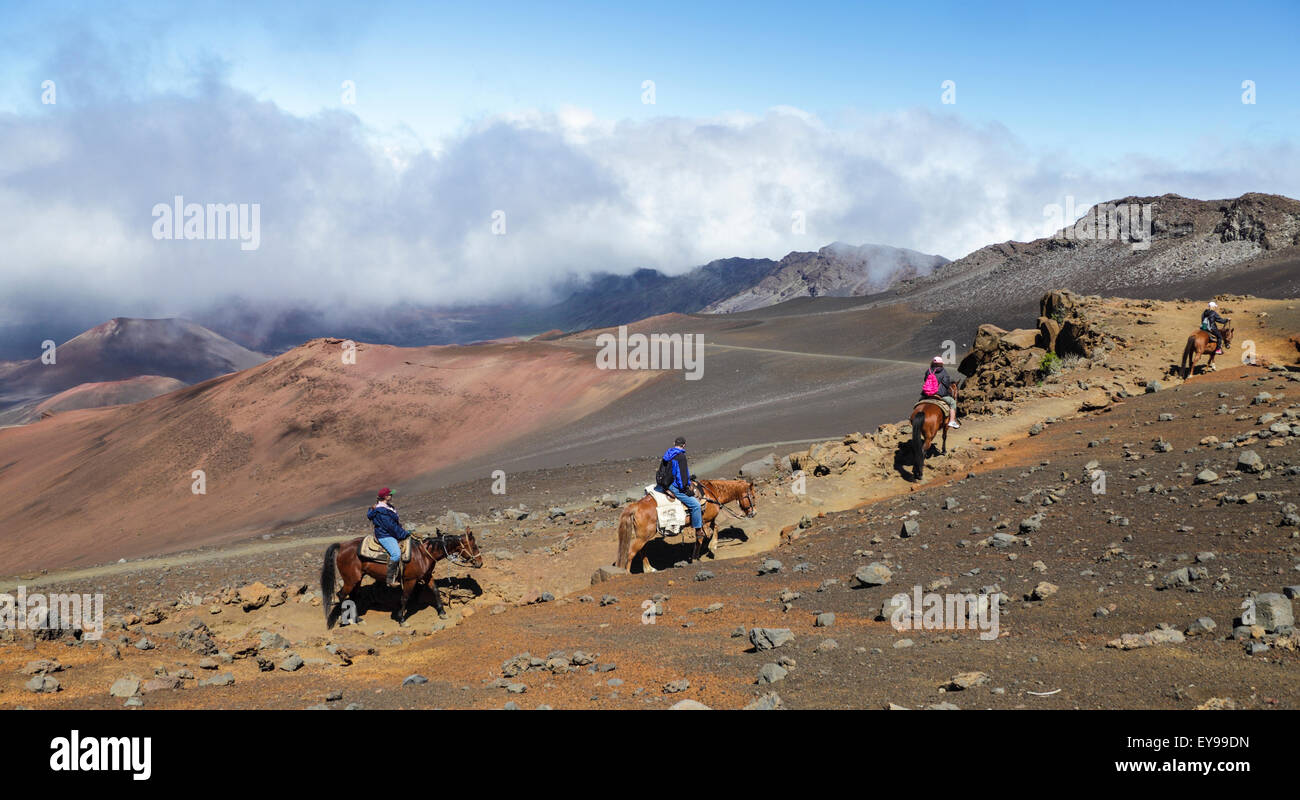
384 492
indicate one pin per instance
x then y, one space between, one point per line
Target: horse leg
432 583
713 538
638 551
945 438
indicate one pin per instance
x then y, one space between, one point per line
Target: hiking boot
394 567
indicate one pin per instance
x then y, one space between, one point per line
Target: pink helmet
937 360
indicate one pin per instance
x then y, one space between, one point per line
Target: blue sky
763 113
1097 78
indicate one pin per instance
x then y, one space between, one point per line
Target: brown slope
276 442
99 394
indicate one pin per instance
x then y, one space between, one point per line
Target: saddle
934 401
372 550
672 513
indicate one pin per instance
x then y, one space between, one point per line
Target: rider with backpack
938 384
674 475
1210 322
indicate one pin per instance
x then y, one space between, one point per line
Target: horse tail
626 533
327 579
1189 356
918 440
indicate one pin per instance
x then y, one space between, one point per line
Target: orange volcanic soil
275 442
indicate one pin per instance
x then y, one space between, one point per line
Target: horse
639 522
1199 344
927 420
343 560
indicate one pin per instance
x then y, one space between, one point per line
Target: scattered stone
873 574
1043 591
771 673
414 680
1133 641
688 705
770 566
673 687
824 620
770 638
1249 461
768 702
966 680
1273 611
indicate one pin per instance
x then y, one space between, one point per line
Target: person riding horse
388 532
1210 322
674 479
940 387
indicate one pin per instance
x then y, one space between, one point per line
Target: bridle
455 556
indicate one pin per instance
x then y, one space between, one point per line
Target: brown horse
1199 344
927 421
343 561
639 522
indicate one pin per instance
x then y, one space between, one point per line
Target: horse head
462 549
747 500
1227 334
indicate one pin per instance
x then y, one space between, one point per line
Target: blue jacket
386 523
676 456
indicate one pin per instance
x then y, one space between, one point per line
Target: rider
388 532
681 482
1210 322
940 387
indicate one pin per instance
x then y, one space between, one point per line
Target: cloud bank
354 220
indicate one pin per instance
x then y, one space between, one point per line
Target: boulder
874 574
254 596
760 468
1020 338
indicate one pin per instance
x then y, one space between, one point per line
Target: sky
461 153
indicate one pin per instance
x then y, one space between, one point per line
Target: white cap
937 360
1213 304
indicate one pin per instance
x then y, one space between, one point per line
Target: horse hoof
442 615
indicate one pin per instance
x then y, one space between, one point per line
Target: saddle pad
372 550
672 513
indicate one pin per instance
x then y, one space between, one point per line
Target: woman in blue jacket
388 532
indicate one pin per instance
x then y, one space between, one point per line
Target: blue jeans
390 544
693 505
